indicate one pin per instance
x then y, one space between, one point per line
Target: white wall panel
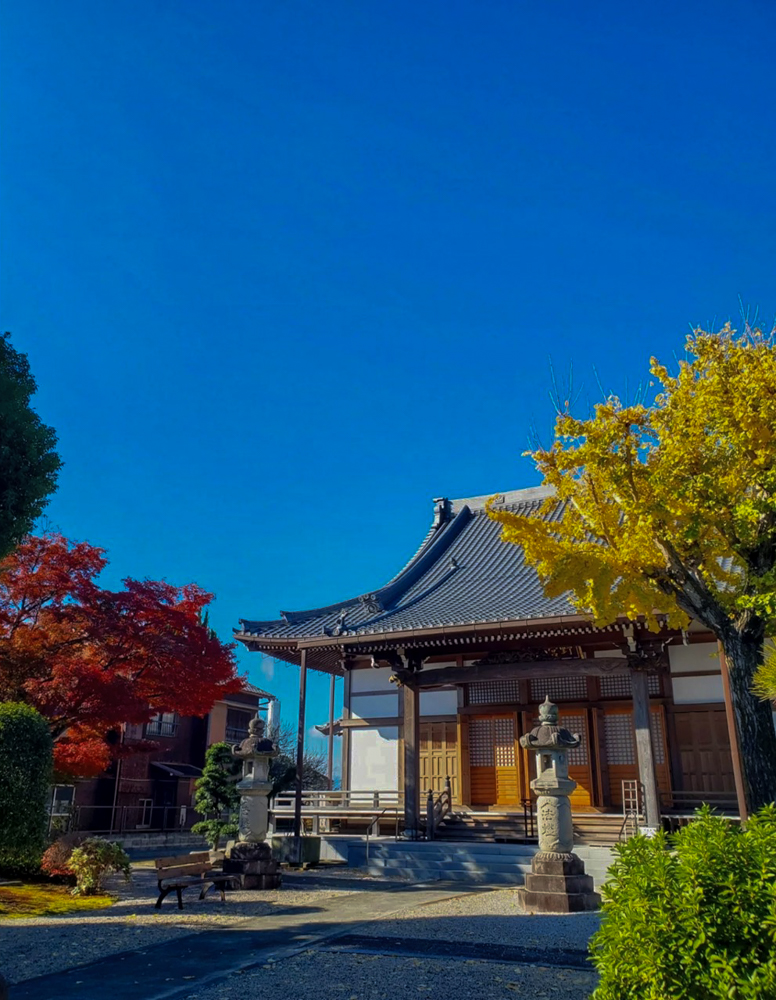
371 679
374 759
438 702
700 656
692 690
374 706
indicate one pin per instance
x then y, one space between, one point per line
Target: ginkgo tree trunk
665 512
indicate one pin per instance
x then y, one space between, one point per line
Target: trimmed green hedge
26 752
692 916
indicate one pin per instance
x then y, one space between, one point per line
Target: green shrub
92 861
56 860
695 922
26 751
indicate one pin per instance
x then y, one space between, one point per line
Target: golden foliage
666 509
42 900
764 685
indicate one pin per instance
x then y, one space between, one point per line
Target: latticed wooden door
580 764
620 747
493 761
439 757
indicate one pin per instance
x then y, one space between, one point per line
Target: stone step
455 857
422 848
424 875
444 867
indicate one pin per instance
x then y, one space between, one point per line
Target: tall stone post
250 857
557 882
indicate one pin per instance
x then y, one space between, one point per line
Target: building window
237 725
162 724
146 812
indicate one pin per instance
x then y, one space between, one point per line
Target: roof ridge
524 495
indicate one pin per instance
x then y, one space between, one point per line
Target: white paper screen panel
619 685
578 725
506 692
559 688
618 734
481 748
620 741
504 742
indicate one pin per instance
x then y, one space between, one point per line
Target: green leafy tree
697 921
216 796
665 512
28 462
26 754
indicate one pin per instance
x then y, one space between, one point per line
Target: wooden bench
177 874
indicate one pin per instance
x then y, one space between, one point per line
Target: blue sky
285 272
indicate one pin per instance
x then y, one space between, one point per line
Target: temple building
445 666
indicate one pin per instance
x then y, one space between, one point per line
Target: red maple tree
91 659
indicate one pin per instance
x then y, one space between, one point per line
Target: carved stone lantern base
558 884
252 863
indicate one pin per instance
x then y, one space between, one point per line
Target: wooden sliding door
493 761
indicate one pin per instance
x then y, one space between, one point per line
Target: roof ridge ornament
371 603
442 511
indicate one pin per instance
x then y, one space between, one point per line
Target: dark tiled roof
462 573
248 688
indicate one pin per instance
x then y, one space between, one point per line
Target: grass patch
45 900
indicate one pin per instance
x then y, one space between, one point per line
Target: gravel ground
41 945
490 917
336 976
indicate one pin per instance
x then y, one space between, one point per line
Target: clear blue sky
287 271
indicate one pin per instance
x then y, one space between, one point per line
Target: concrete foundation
557 883
253 865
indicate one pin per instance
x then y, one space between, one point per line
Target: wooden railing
437 808
363 801
323 807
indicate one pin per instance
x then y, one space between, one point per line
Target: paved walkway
383 940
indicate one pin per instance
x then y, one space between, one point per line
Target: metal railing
144 817
529 818
376 823
157 727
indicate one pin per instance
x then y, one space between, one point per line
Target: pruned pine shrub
93 861
26 752
216 795
691 916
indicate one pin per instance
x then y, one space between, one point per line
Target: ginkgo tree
90 659
664 511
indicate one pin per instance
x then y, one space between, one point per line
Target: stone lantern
250 856
557 882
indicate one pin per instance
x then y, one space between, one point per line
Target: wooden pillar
644 755
735 750
411 706
300 760
330 768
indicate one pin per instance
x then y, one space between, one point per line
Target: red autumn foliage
91 659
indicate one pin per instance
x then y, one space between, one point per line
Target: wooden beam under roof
604 666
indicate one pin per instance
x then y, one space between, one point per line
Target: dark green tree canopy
26 754
28 461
